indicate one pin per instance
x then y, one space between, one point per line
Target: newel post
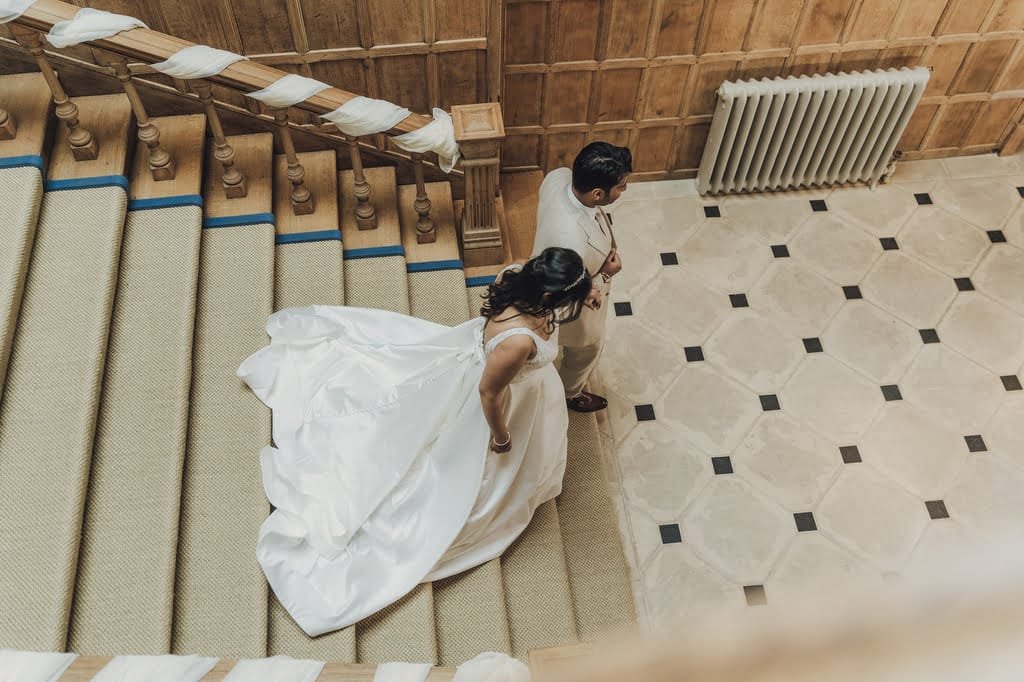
479 131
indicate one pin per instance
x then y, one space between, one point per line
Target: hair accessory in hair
576 281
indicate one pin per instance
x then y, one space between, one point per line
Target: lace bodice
547 349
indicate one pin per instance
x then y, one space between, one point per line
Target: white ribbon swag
90 24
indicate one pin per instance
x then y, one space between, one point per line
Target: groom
570 215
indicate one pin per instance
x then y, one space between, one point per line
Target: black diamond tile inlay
769 402
721 465
964 283
889 243
739 300
996 236
1020 191
937 509
852 292
929 335
670 533
813 345
818 205
712 212
805 521
644 413
976 443
669 258
1011 382
693 353
780 251
755 595
923 199
850 453
892 392
623 308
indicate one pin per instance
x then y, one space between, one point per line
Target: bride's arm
502 365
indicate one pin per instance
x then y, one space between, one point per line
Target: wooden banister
150 46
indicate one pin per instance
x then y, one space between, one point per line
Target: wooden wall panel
646 72
396 21
401 80
457 19
330 23
258 22
461 77
562 148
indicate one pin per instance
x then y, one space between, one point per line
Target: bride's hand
501 444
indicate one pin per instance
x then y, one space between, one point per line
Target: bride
407 451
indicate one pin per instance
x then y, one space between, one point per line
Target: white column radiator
784 133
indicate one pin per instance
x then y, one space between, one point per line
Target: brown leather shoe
586 402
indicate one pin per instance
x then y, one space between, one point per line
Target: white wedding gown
382 477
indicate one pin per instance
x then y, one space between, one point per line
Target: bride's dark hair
554 283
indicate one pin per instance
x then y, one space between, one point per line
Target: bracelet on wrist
501 445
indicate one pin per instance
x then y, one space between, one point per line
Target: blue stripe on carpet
22 161
303 237
87 183
165 202
237 220
374 252
434 266
482 281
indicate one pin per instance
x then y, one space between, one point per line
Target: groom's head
599 173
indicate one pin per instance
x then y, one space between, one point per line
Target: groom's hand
612 264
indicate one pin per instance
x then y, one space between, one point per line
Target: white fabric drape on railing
33 666
167 668
90 24
276 668
491 666
289 90
12 9
437 136
198 61
365 116
401 672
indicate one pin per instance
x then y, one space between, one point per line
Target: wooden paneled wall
644 72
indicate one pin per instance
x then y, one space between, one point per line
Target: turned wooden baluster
233 180
425 233
161 163
366 217
83 144
8 126
302 199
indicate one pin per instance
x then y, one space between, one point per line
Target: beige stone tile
665 223
909 289
660 473
834 247
951 388
789 462
989 497
645 535
723 254
639 363
796 297
945 241
641 262
621 415
881 210
981 166
772 218
815 569
1004 433
872 516
871 341
982 201
755 352
1013 228
667 189
681 306
831 398
984 331
736 530
1001 274
708 410
680 588
918 452
917 171
944 542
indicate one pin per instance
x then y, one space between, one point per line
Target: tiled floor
816 391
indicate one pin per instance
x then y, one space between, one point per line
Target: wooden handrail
150 46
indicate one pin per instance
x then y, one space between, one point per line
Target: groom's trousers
578 363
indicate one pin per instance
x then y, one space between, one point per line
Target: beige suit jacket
561 223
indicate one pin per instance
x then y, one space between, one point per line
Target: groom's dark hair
601 165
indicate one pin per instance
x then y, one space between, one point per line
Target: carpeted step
54 376
403 631
26 97
537 593
308 271
124 593
598 573
374 259
222 597
469 610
